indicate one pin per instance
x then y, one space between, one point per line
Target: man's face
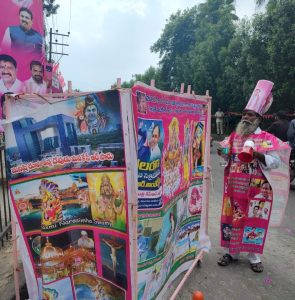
37 73
25 20
255 211
265 190
106 188
155 137
248 124
8 72
142 106
91 112
249 116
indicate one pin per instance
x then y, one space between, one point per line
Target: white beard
245 127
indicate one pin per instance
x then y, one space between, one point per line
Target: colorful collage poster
171 138
22 48
68 183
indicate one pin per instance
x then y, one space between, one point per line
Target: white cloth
253 258
31 86
17 87
219 116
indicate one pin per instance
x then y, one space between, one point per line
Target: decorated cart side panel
171 136
68 182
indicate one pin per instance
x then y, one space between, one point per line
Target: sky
111 39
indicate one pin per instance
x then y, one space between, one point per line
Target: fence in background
5 213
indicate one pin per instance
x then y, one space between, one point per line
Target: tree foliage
49 7
208 47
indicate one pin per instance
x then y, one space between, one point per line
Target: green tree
49 7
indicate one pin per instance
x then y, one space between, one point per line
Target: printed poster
68 183
22 48
171 137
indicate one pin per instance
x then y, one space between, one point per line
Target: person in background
280 126
219 115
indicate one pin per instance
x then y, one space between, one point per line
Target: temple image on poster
92 287
44 136
108 199
66 254
148 233
48 201
113 259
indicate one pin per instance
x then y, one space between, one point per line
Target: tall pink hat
261 98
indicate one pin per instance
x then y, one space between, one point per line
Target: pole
50 45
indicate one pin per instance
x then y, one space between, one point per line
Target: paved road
238 281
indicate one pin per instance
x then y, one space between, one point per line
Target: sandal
225 260
258 268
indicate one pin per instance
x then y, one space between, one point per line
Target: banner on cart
171 136
68 184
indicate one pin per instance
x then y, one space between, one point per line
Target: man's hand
259 156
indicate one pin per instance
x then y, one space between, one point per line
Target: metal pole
50 45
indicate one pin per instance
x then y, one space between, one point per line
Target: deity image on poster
187 239
92 287
113 259
48 201
148 233
172 160
108 201
197 148
51 204
90 118
253 235
168 230
239 214
186 155
195 196
65 254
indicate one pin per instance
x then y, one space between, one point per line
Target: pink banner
252 194
22 55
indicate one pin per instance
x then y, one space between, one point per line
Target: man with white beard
267 152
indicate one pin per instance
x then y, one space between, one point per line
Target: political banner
171 136
70 193
22 51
